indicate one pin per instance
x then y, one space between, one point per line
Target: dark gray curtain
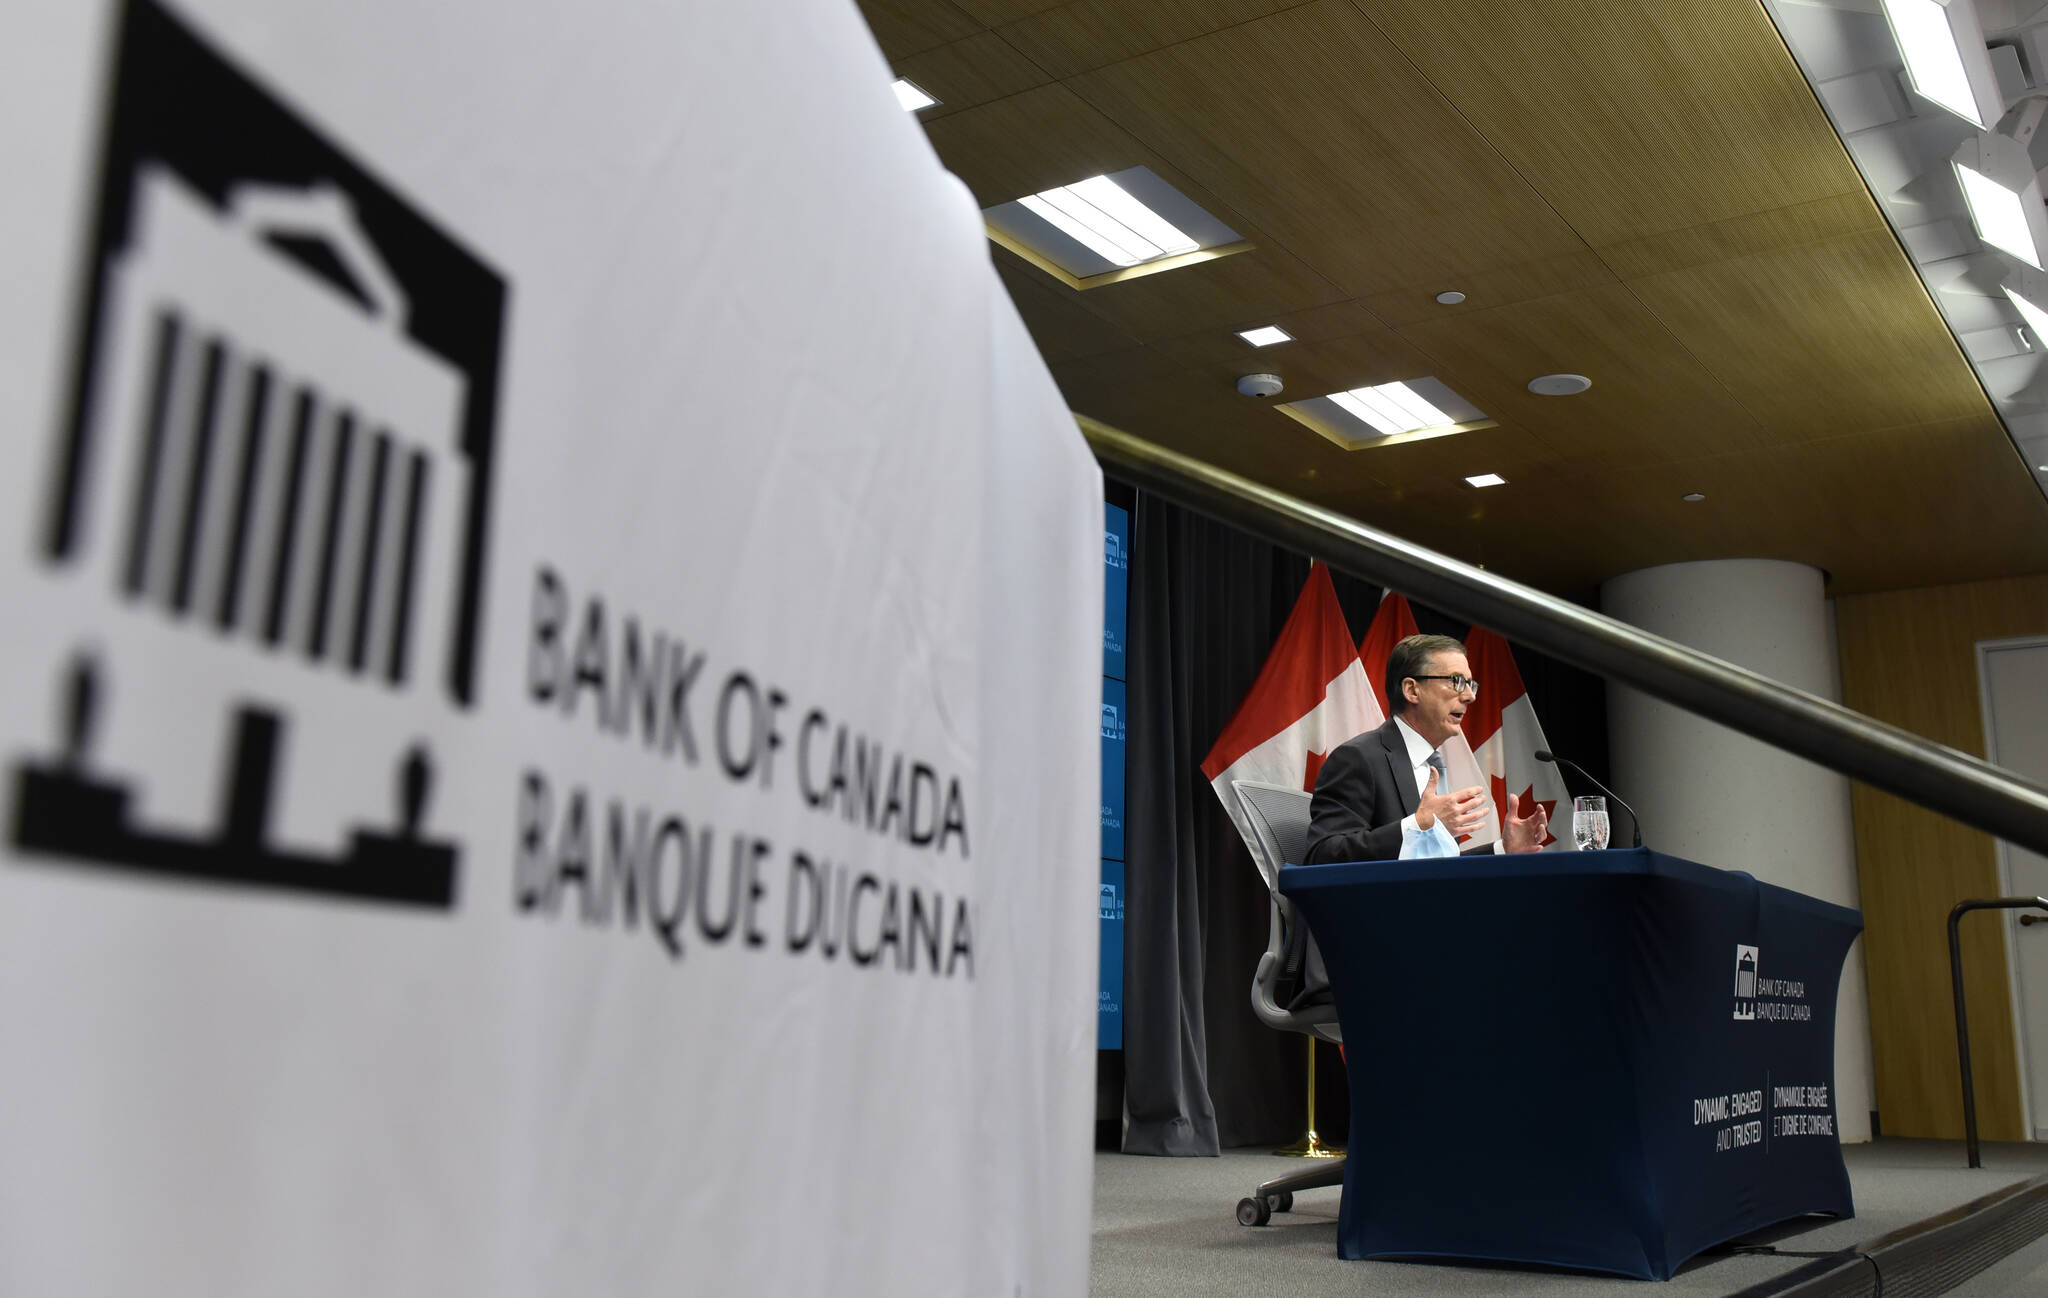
1201 1073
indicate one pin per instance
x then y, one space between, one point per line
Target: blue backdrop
1116 552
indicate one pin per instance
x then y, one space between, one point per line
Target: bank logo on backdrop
278 449
1112 722
1745 982
1113 550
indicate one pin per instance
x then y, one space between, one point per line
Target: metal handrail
1955 978
1882 756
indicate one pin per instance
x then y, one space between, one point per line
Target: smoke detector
1259 385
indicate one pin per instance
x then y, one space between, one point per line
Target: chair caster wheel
1282 1202
1254 1212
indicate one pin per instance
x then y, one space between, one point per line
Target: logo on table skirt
274 479
1745 982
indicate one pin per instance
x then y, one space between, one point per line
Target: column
1721 798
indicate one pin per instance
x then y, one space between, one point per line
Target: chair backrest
1278 819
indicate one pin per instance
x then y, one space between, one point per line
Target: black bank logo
1745 983
279 444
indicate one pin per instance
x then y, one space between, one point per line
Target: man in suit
1377 785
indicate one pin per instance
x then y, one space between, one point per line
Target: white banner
553 630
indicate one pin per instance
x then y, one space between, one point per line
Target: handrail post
1955 974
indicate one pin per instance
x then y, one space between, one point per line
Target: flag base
1310 1146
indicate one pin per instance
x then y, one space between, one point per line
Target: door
2015 682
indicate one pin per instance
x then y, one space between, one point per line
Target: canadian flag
1393 623
1309 697
1505 734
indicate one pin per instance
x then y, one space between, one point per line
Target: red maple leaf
1500 802
1315 768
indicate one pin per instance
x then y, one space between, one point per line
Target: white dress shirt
1418 755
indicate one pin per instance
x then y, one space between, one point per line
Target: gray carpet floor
1165 1226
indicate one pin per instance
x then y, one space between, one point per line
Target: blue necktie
1443 772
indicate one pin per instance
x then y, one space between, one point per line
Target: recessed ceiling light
1693 497
1391 408
1942 43
1388 414
1265 335
1559 385
2002 215
1488 480
2036 318
1450 297
911 96
1102 215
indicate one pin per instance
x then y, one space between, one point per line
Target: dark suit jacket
1366 788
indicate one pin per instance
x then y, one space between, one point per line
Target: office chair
1278 817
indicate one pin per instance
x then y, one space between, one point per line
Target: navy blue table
1599 1060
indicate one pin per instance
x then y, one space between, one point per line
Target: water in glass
1589 822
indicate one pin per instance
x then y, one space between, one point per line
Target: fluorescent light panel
911 96
1488 480
1102 216
1391 408
1999 214
1934 60
2036 318
1266 335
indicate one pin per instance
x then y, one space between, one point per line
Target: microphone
1545 755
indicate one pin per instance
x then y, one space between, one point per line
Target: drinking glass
1589 822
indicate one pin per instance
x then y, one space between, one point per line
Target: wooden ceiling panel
995 13
1822 339
1650 400
1646 194
1087 34
1085 376
1489 528
1245 436
1059 324
1487 289
1309 367
1435 468
1336 320
967 72
1210 295
906 27
1333 174
1841 217
1037 139
1878 511
1631 119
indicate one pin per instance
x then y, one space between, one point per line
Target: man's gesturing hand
1462 811
1525 833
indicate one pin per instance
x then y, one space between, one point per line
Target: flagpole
1964 788
1311 1145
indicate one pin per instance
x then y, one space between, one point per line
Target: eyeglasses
1459 684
